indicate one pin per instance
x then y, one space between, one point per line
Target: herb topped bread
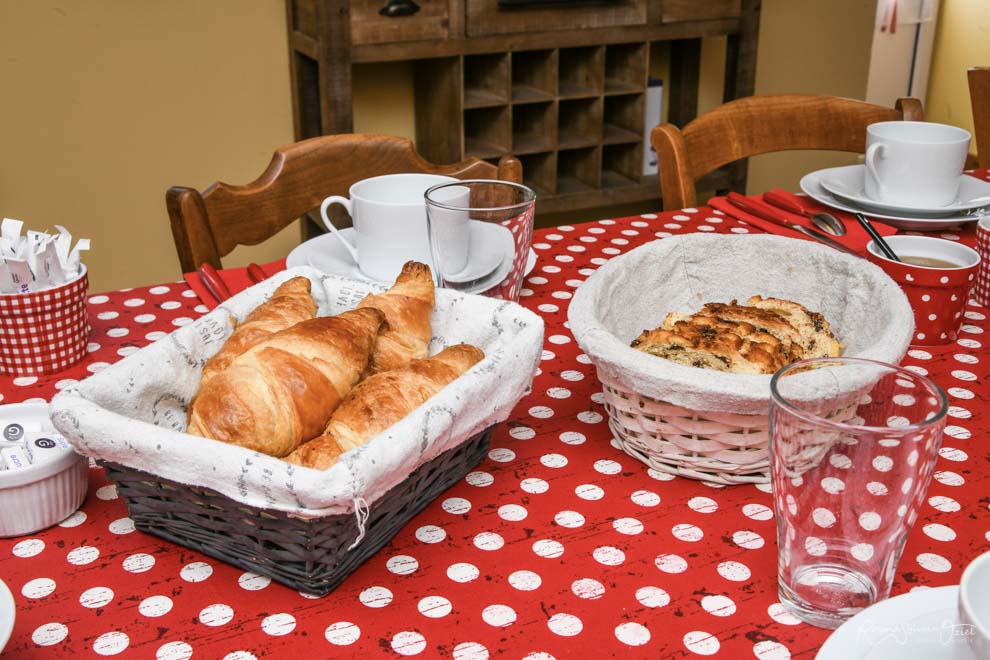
759 337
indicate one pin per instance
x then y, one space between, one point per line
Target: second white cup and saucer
389 217
847 183
912 178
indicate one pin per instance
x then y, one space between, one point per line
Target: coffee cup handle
873 153
346 203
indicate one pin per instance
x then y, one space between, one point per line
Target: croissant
382 400
282 391
407 307
290 304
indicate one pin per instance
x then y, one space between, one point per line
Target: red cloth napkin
855 236
236 280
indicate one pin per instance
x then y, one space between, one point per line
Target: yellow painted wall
962 40
810 47
107 103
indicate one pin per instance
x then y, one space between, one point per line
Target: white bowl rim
702 389
894 240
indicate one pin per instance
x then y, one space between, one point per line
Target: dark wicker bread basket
309 555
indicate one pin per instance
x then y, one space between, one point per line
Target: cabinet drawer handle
395 8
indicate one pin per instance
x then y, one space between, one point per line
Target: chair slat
763 124
209 225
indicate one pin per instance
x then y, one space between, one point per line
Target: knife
740 201
211 280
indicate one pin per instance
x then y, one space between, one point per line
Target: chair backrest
763 124
209 225
979 97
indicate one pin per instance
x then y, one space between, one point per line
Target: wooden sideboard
562 87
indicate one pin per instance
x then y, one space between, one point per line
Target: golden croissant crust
290 304
282 391
407 307
381 400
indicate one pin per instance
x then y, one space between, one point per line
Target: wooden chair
758 125
979 97
209 225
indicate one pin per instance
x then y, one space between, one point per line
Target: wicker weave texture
308 555
724 448
718 447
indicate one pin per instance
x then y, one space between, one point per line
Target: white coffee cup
914 163
974 608
389 216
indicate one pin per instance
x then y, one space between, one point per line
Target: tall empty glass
480 236
853 445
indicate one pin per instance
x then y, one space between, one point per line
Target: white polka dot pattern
555 544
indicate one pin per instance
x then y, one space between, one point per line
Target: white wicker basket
705 424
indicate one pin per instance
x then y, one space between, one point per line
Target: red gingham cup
981 288
937 295
46 331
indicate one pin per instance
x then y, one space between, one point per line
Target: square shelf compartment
487 132
582 71
579 123
578 170
622 121
486 80
540 172
534 127
534 76
625 68
622 165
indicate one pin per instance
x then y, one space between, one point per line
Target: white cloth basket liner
867 310
134 411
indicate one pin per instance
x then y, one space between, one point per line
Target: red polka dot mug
936 275
981 288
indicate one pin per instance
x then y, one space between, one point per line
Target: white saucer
326 253
7 614
919 625
490 245
847 183
811 186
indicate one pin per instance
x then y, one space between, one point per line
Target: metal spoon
791 202
828 223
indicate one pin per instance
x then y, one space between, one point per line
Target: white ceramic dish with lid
42 479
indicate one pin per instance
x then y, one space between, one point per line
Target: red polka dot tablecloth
557 545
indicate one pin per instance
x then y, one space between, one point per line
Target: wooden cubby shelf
486 80
534 128
487 132
576 114
539 172
579 170
622 165
534 76
561 87
625 68
581 72
580 123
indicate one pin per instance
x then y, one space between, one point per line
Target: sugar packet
37 260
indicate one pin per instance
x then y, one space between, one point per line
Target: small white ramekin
42 494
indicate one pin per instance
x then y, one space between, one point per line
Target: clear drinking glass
480 235
853 445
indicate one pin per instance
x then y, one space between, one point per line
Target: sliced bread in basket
698 422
